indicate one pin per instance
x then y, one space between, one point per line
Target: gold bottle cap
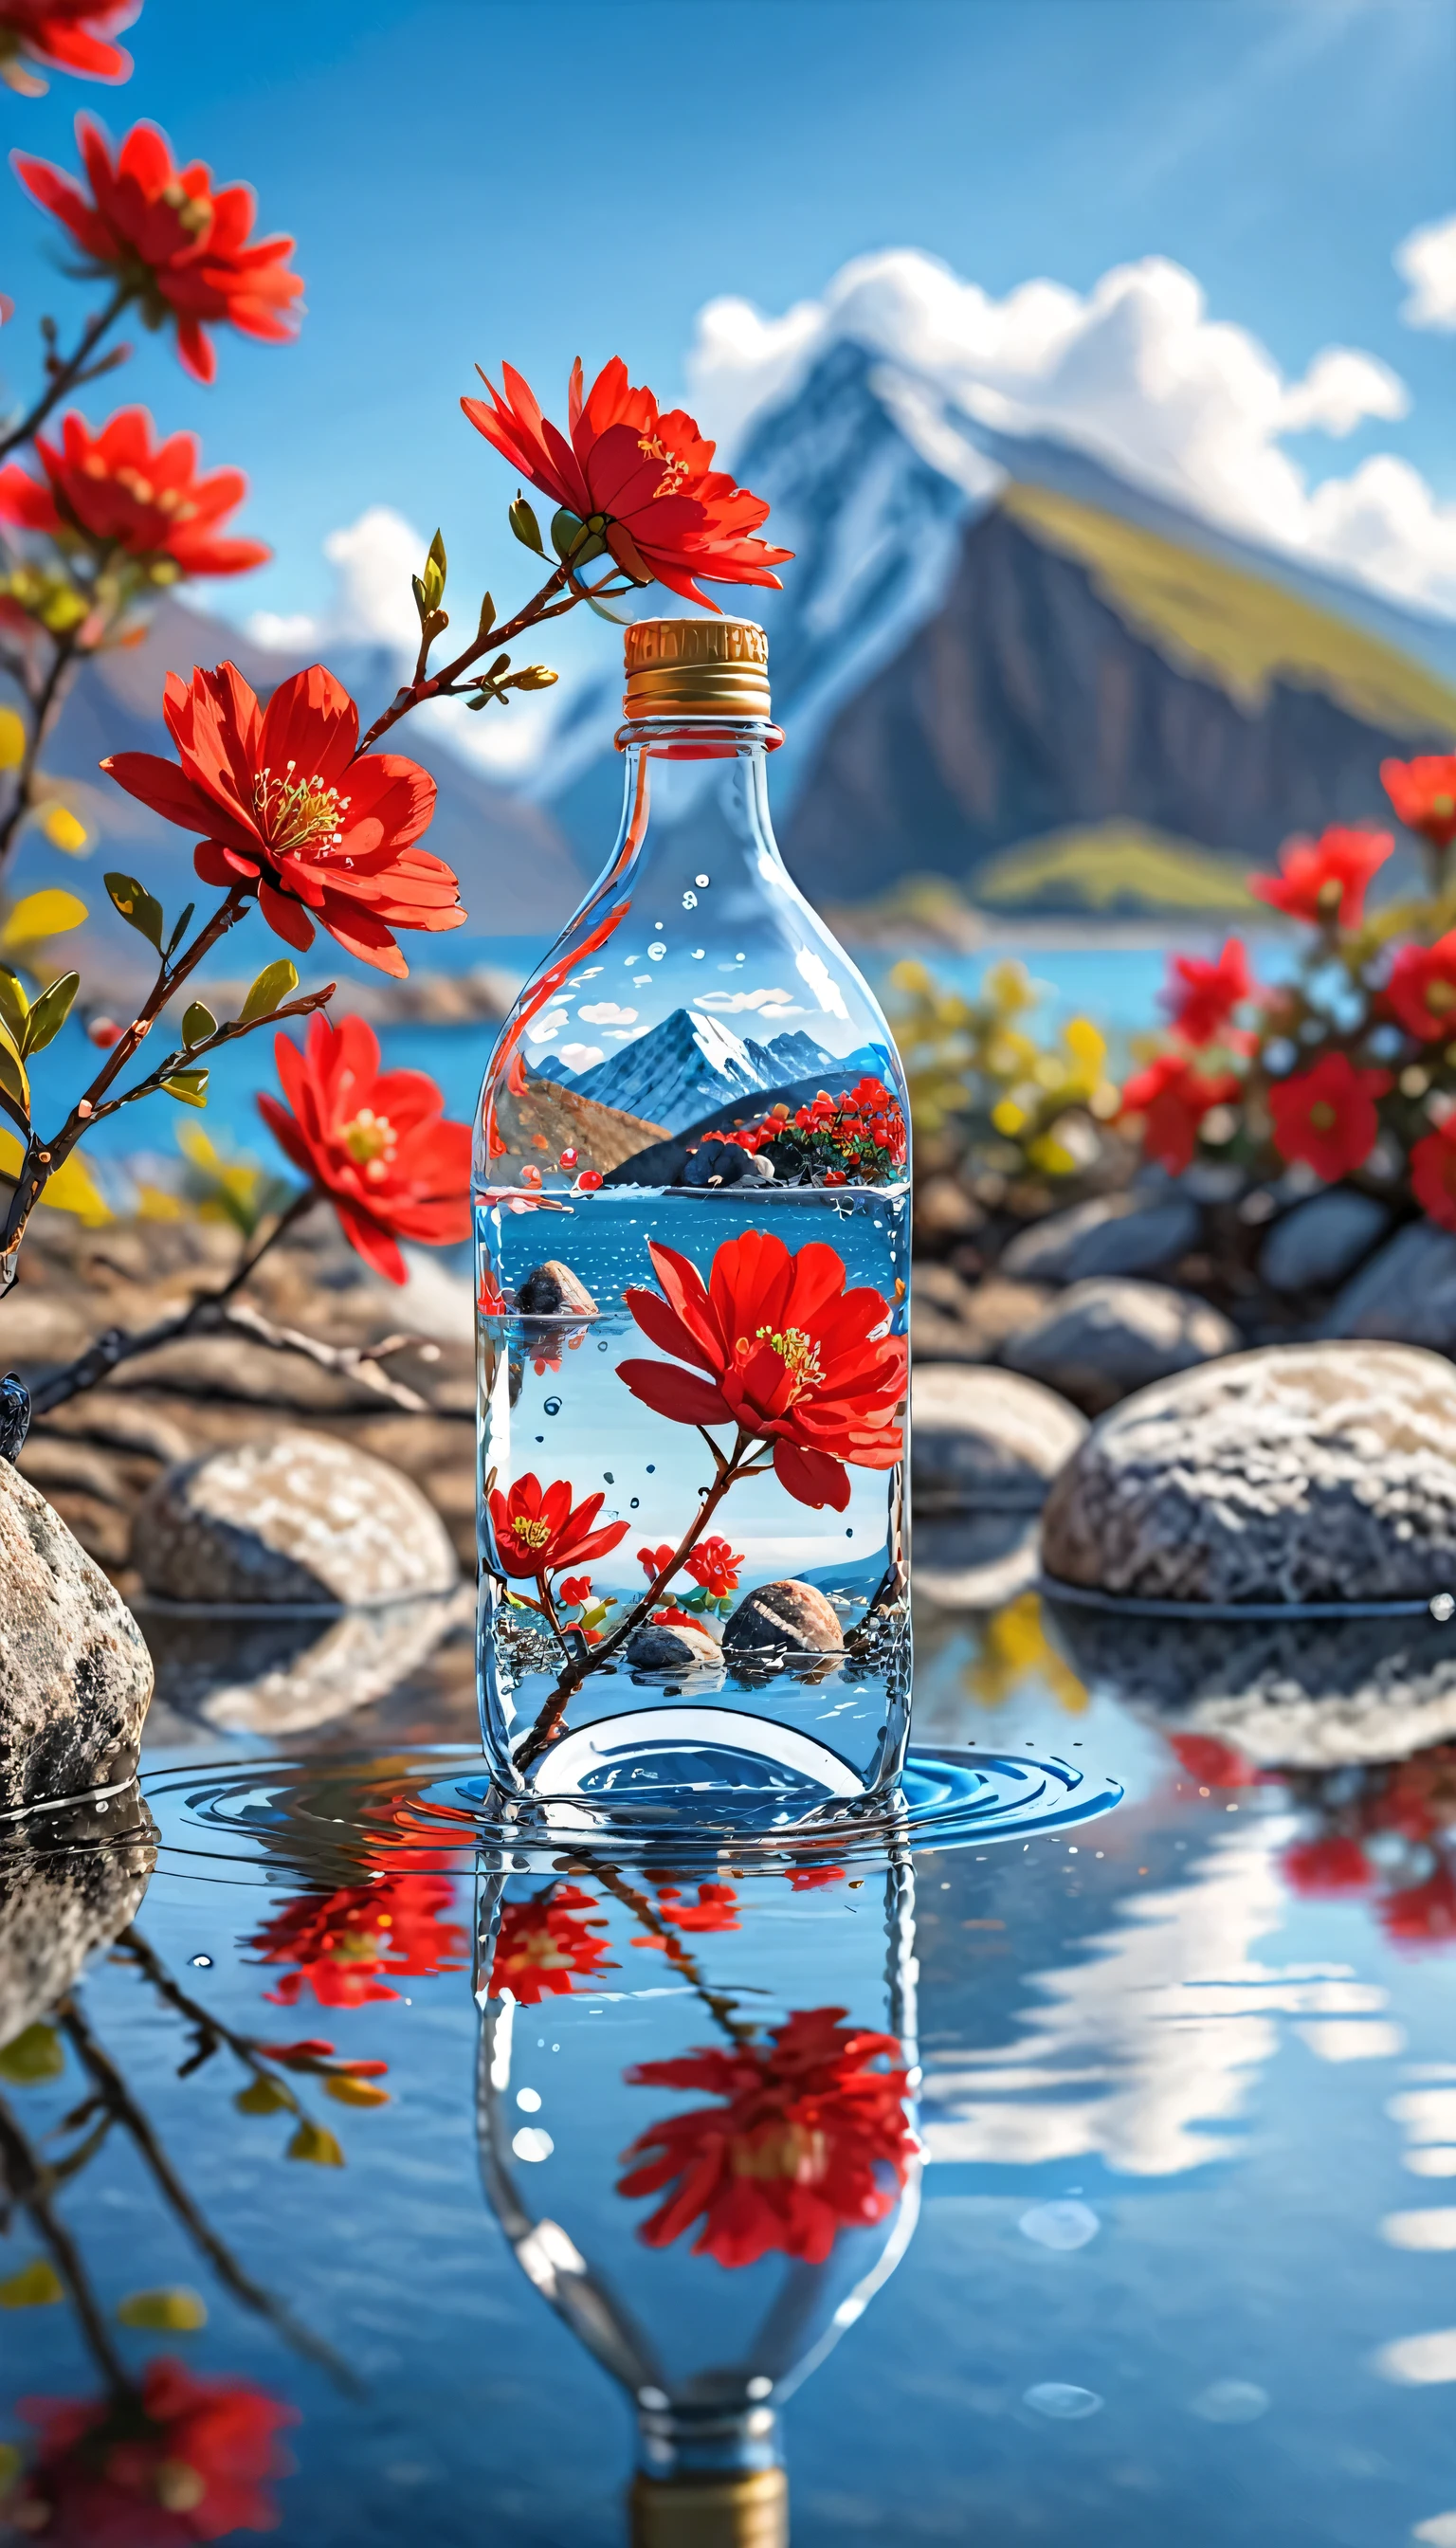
749 2509
695 668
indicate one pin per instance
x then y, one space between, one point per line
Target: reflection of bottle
707 2182
692 1201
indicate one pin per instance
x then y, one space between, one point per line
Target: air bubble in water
689 900
200 1964
1442 1606
636 1499
657 950
551 1407
700 880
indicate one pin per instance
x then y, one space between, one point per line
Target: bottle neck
695 801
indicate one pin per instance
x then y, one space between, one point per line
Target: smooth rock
282 1674
1319 1241
985 1438
63 1897
1125 1234
1406 1294
974 1560
75 1676
553 1291
1300 1473
789 1618
943 1210
1100 1340
290 1517
675 1648
725 1163
953 1320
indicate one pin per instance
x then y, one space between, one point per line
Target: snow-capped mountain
693 1064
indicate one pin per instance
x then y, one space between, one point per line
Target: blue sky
467 178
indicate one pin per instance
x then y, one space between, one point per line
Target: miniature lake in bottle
692 1234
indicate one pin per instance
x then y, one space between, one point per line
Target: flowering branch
70 372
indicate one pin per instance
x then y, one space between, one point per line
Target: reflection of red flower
808 1880
120 490
1173 1097
1334 1863
1433 1173
645 482
1424 794
186 2459
542 1946
1212 1763
377 1142
1326 880
1422 988
184 250
538 1530
280 800
1327 1116
66 35
1422 1915
1201 997
794 1358
716 1908
714 1565
341 1943
810 2138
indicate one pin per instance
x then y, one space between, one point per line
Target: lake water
1185 2260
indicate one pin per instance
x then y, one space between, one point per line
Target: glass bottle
693 1208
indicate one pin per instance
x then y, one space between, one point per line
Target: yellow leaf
64 832
312 2143
169 2313
71 1189
154 1203
1008 1116
264 2096
11 2464
37 2285
12 739
34 2054
354 2092
43 915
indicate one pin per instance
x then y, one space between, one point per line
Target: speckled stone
674 1648
782 1619
75 1676
1302 1472
292 1517
986 1440
1099 1342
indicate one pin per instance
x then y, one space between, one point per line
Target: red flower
542 1946
716 1909
1333 1864
539 1530
1424 794
1326 880
1422 988
1433 1173
655 1561
184 2459
1422 1915
575 1590
1173 1097
792 1357
809 1879
118 489
182 250
715 1565
1327 1116
1212 1763
641 481
341 1943
810 2138
279 797
66 35
377 1142
1201 997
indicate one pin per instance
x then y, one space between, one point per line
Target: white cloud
605 1013
579 1056
542 1030
1428 261
729 1001
822 983
1136 371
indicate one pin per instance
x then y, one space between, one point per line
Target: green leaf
180 932
354 2092
167 2313
15 1008
486 620
265 2096
276 983
13 1071
50 1013
536 677
37 2285
317 2146
198 1024
525 526
189 1087
33 2056
566 529
139 909
434 586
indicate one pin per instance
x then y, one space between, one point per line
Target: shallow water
1184 2266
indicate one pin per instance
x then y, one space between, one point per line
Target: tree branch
66 376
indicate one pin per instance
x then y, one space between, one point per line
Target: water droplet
1059 2400
1443 1605
689 900
636 1499
657 950
651 1467
610 1480
699 954
700 880
849 1534
202 1963
1062 2225
551 1407
758 2387
529 2100
740 958
1231 2401
602 1348
531 2144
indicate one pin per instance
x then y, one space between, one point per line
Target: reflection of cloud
822 983
579 1056
1155 2038
541 1030
605 1013
1427 260
731 1000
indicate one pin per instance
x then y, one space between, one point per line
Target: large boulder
1300 1473
1102 1340
1406 1294
983 1438
75 1676
290 1517
1123 1234
72 1890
